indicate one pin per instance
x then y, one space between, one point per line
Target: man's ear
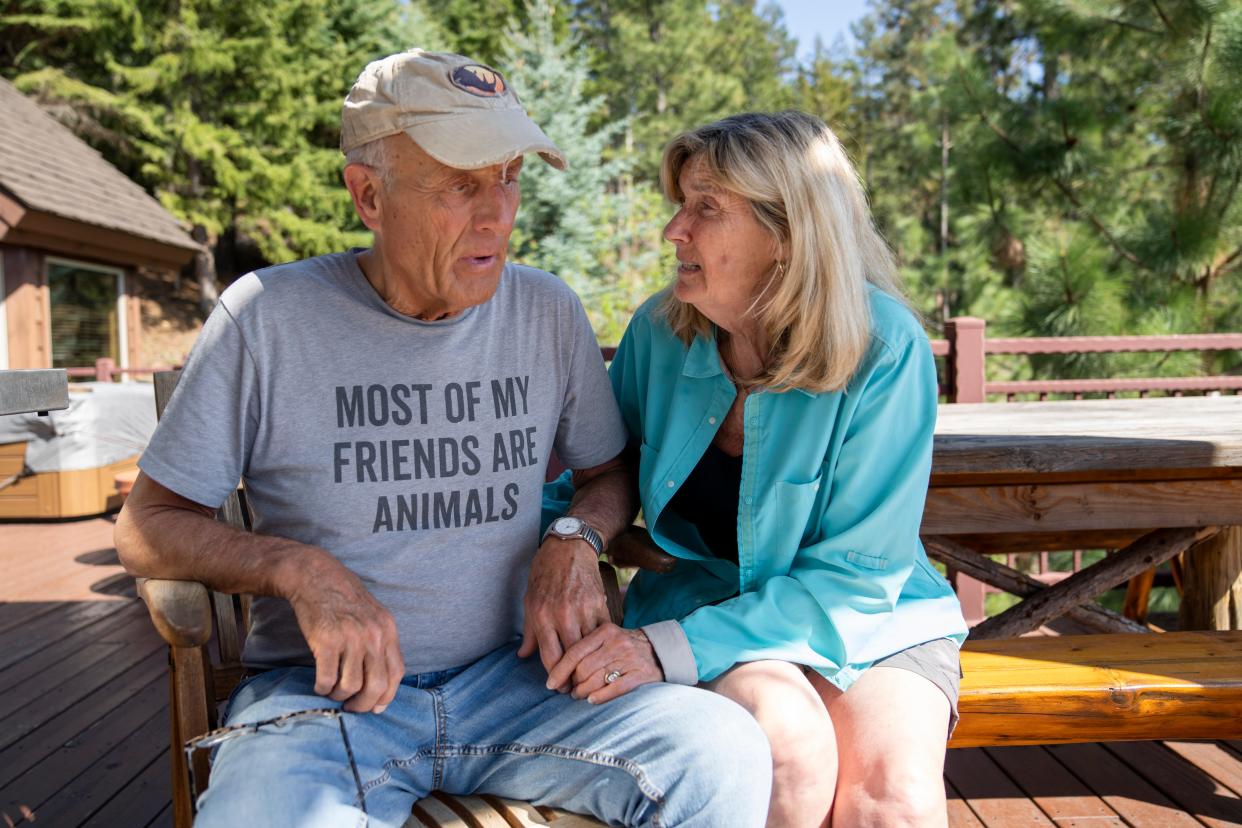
365 188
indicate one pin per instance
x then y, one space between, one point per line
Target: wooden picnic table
1152 477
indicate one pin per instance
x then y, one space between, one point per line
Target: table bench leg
1212 583
1138 594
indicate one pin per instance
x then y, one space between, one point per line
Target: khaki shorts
938 662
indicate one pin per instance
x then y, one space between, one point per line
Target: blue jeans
662 755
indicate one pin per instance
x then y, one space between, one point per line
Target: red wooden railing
106 370
965 349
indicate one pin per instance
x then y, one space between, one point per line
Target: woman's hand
609 650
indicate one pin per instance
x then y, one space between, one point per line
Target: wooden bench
1040 690
1100 688
1043 690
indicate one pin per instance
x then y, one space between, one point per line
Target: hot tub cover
104 423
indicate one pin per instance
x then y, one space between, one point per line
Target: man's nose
496 209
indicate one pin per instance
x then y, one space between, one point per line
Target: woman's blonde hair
803 190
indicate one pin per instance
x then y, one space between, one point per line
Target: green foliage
1051 188
479 29
585 224
228 112
1057 190
665 66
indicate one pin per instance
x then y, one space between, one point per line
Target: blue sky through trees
805 19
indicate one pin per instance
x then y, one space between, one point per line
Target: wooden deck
83 687
84 718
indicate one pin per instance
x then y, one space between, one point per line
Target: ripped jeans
662 755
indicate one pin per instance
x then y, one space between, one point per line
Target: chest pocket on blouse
797 512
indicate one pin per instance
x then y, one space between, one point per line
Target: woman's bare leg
804 747
890 729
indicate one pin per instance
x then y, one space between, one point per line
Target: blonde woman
783 398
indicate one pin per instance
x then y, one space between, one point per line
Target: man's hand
353 637
609 650
564 599
160 534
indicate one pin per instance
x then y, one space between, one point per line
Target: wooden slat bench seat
1099 688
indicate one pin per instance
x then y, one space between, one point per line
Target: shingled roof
47 168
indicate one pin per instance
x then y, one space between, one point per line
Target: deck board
1185 783
110 779
44 779
993 796
69 648
1128 794
164 819
27 640
1216 760
70 724
84 718
1062 797
77 694
141 801
17 614
960 814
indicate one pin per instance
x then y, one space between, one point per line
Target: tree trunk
204 259
944 213
205 271
1052 68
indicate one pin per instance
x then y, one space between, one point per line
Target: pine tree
579 223
666 66
1130 155
228 112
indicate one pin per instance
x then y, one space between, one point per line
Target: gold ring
612 676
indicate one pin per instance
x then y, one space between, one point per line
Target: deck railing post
104 369
966 377
966 359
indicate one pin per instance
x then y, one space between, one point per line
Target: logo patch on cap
478 80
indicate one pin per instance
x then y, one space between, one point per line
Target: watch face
567 526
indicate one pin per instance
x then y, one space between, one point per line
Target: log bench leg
1138 594
1147 552
1212 583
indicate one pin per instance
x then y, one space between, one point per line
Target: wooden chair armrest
634 547
612 592
180 610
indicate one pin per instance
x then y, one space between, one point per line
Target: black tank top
708 500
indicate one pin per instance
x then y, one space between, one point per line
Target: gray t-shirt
412 451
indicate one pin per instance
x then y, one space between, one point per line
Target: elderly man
391 411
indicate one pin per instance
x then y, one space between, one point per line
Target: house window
88 313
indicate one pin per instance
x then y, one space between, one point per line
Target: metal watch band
592 537
586 533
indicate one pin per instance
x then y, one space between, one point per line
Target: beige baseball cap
461 113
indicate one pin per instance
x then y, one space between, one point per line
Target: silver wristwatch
572 527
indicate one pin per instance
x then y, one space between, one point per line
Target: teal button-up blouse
830 571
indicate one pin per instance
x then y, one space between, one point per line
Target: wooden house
74 231
76 238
